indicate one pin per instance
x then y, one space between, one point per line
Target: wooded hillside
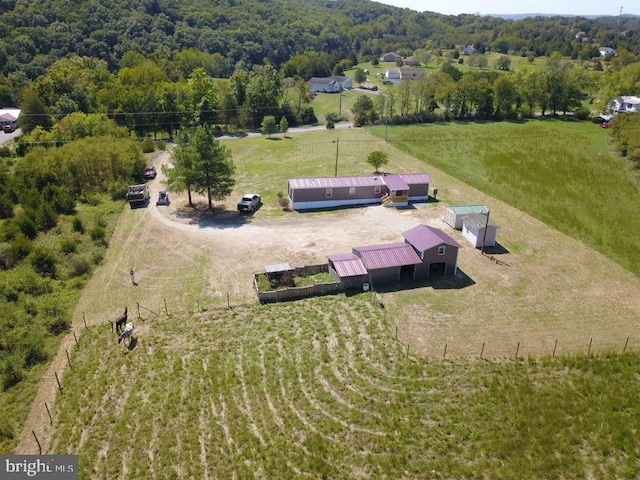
246 32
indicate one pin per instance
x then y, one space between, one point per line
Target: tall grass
319 388
561 172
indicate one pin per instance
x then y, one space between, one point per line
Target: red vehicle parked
150 173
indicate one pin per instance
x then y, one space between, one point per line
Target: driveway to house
250 242
5 137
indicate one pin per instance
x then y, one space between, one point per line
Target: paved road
312 128
5 137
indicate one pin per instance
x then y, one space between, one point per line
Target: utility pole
386 116
337 142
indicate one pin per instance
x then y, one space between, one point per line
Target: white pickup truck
249 202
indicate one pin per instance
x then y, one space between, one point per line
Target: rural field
218 386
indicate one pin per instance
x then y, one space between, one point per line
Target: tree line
560 86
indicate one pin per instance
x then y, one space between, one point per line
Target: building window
352 191
376 189
329 193
441 249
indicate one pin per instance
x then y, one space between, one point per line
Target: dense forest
151 64
242 33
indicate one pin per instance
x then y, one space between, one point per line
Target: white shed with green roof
454 214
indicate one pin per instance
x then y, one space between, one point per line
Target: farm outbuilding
329 192
454 214
474 227
280 272
387 263
347 268
438 252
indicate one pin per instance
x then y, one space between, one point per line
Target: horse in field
121 321
127 333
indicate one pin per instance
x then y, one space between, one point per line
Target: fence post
396 332
445 351
228 302
482 351
39 446
166 311
68 359
625 345
74 336
554 348
138 304
198 305
58 380
589 351
517 349
49 413
84 320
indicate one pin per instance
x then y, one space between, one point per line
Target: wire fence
166 310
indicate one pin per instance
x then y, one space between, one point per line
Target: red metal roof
395 182
415 178
424 237
387 255
347 265
334 182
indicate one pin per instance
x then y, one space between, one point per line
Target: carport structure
386 263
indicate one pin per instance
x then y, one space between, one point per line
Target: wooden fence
294 293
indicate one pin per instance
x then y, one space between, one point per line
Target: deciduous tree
377 159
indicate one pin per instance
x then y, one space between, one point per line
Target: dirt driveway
252 241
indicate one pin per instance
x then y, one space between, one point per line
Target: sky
558 7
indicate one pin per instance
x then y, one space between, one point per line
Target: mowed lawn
320 388
560 172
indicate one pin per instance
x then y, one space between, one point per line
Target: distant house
625 104
438 252
392 73
411 61
604 51
386 263
390 57
405 73
330 84
469 50
474 227
9 116
454 214
329 192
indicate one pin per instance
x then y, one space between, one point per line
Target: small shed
280 272
474 227
454 214
348 269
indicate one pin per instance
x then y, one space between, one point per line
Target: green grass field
320 389
561 172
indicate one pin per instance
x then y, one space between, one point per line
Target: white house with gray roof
330 84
